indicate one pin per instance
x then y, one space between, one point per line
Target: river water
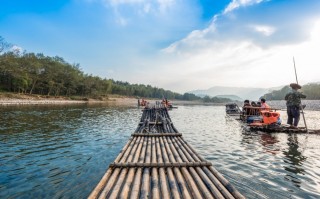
63 151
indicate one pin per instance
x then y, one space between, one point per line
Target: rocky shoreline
34 102
20 99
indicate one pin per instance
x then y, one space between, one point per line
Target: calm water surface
63 151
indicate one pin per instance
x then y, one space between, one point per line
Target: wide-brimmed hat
295 86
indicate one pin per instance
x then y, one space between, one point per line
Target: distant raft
158 163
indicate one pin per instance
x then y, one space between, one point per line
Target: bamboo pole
145 187
300 106
94 194
172 181
181 182
127 185
154 177
206 193
137 180
103 181
116 172
117 187
215 181
155 134
186 157
195 192
163 180
159 165
226 184
210 185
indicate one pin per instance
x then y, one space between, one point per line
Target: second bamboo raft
158 163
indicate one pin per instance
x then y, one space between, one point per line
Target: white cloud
240 3
16 49
137 8
265 30
202 63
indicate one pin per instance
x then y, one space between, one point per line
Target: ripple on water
64 151
260 165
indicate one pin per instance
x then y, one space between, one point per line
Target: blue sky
180 45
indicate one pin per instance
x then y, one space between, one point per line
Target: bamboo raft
284 129
158 163
274 128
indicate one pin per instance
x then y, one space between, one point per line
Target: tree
4 45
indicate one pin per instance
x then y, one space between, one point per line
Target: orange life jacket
270 117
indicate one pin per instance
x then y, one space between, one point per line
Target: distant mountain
232 97
238 92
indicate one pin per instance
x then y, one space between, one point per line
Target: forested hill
312 91
38 74
31 73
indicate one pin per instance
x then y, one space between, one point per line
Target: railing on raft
256 111
158 163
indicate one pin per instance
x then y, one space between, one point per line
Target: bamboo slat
158 163
156 134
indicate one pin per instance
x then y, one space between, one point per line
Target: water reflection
294 158
269 141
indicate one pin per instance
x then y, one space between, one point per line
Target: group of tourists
293 102
254 108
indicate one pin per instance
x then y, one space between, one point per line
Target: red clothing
265 106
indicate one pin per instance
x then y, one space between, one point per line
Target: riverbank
7 99
25 99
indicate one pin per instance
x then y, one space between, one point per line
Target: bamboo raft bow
157 163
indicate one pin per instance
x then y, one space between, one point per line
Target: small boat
143 102
167 104
232 108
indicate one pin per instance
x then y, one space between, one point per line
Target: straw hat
295 86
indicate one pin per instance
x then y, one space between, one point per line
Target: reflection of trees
40 121
294 158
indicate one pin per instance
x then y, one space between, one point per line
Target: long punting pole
304 119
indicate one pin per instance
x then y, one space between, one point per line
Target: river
63 151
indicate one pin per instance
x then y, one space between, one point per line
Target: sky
178 45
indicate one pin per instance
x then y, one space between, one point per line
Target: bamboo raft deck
158 163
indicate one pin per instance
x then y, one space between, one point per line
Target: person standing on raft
293 99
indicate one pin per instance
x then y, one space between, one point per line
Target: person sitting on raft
254 110
246 107
264 105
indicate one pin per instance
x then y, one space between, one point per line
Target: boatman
293 99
